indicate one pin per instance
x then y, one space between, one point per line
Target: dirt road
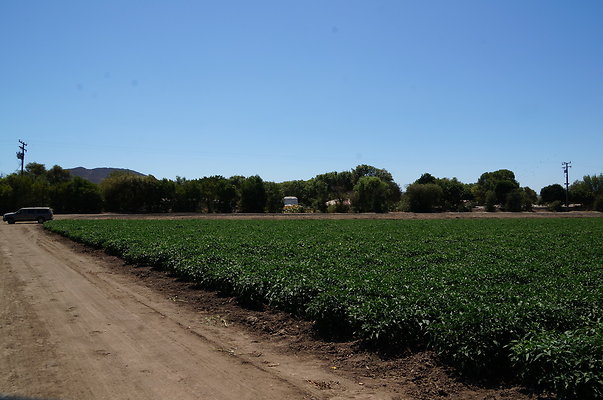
71 328
321 216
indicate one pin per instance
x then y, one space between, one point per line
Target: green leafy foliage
490 202
501 182
555 206
513 296
54 188
370 195
424 197
253 194
551 193
514 201
587 190
570 361
127 192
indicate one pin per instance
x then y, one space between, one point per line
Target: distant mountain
96 175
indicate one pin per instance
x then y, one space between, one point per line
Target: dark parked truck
40 214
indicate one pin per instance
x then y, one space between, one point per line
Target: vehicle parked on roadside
40 214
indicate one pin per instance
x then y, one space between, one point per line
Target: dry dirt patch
391 215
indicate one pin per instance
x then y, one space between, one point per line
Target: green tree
369 170
40 192
56 175
529 198
514 201
425 179
424 197
237 182
226 195
394 192
530 195
336 186
187 195
22 194
551 193
297 188
126 192
6 197
454 193
579 193
27 190
594 183
341 187
274 197
585 191
167 189
35 169
253 195
371 195
210 187
160 194
490 201
500 182
318 190
78 195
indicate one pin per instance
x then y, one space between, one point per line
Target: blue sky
291 89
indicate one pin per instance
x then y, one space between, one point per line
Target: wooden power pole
21 154
566 166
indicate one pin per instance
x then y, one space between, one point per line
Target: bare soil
538 213
78 324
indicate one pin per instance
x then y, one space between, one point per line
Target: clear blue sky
291 89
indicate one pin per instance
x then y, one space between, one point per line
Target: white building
290 201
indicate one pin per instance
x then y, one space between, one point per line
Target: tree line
362 189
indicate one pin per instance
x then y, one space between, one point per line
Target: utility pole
566 166
21 154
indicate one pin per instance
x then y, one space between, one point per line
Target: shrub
293 209
465 206
490 203
598 205
338 207
555 206
513 201
528 198
526 204
403 204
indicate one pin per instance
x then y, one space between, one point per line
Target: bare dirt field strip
391 215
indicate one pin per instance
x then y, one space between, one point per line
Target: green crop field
519 296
